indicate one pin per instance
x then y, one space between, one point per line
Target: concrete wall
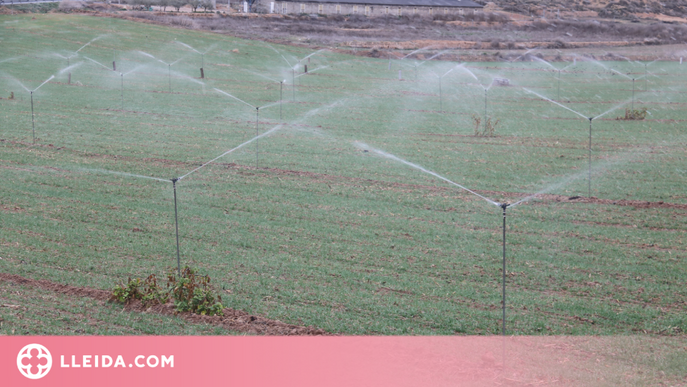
295 8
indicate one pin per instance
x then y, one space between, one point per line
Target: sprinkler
503 327
590 156
441 100
33 126
293 82
281 95
257 134
176 223
121 75
485 109
559 85
633 94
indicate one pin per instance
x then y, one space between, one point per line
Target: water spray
503 207
33 125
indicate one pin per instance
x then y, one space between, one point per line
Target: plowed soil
233 320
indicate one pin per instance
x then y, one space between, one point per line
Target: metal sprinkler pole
559 85
645 89
176 223
293 83
33 125
122 88
633 94
281 96
441 101
257 133
169 73
590 156
503 328
485 110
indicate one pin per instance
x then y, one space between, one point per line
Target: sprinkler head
504 205
590 119
174 181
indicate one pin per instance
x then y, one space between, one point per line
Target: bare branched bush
486 130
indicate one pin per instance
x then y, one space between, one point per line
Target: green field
327 231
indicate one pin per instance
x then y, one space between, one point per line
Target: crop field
370 203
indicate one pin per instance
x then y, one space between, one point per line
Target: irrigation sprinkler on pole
33 126
633 94
257 133
121 75
559 85
441 100
176 223
503 327
293 82
485 109
281 95
590 156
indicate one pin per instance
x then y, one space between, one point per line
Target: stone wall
296 8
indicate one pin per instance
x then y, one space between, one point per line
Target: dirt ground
233 320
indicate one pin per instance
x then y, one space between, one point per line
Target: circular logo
34 361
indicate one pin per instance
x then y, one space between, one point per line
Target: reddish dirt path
233 320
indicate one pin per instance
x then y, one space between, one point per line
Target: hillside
664 11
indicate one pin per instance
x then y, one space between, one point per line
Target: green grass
324 233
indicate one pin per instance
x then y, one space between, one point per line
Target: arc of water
17 81
233 149
554 102
238 99
85 45
418 50
187 46
146 54
282 55
107 171
312 71
400 160
70 67
44 82
526 52
324 49
538 59
98 63
260 75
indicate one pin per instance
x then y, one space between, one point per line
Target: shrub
193 293
190 293
636 114
488 130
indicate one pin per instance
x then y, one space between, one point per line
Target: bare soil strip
233 320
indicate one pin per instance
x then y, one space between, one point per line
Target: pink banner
284 361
